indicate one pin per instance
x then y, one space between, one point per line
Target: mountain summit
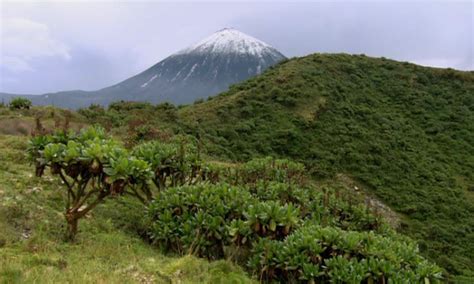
229 41
201 70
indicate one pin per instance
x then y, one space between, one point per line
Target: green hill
400 133
405 132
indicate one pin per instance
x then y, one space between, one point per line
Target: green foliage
403 131
91 166
92 112
323 254
281 240
127 106
272 169
193 219
174 163
20 103
108 249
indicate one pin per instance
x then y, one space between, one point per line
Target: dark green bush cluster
327 254
20 103
92 165
92 112
279 228
194 219
271 169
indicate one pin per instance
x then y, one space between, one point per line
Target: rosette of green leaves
53 155
272 219
91 133
97 153
171 163
35 145
129 169
34 152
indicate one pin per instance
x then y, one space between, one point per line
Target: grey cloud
111 41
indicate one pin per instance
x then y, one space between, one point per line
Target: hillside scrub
404 131
107 250
285 232
94 167
195 209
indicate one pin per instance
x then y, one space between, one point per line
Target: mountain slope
199 71
404 131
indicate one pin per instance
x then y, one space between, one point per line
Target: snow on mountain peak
229 40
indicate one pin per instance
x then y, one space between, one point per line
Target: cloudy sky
48 46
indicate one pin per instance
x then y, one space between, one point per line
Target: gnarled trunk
72 222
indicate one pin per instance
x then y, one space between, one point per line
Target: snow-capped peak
229 40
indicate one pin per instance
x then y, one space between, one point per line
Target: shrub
20 103
271 169
122 106
323 254
281 241
92 167
174 163
193 219
93 112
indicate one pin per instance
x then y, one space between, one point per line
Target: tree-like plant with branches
91 167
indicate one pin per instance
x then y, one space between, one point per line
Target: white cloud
23 40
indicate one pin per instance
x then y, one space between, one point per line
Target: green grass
33 250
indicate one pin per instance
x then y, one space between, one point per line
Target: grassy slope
32 247
404 131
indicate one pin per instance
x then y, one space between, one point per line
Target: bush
92 167
174 163
20 103
93 112
122 106
323 254
193 219
273 221
271 169
281 241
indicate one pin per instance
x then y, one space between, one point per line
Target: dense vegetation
402 131
107 248
209 209
405 132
